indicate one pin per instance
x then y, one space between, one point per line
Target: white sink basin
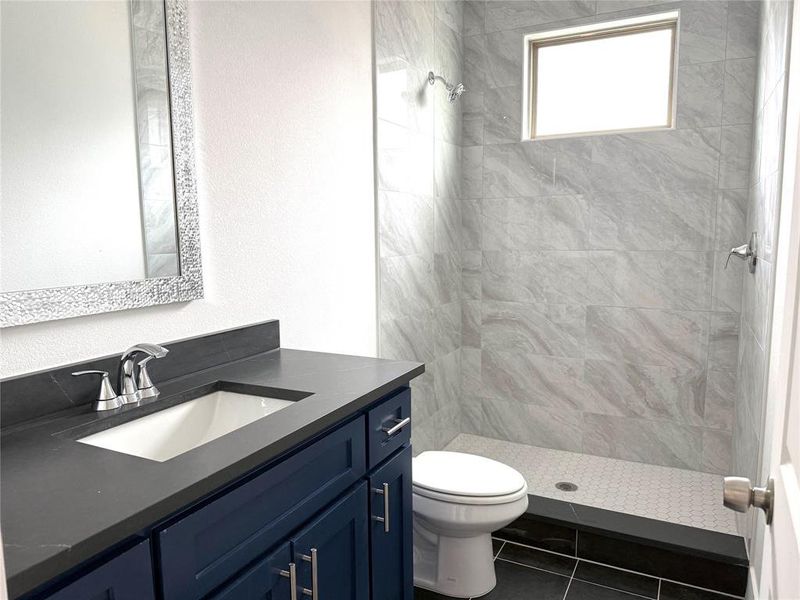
173 431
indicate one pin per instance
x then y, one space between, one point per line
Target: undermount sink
173 431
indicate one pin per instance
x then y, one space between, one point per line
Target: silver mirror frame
48 304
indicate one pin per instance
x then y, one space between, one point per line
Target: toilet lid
462 474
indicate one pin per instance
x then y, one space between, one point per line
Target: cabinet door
391 542
334 547
129 576
263 581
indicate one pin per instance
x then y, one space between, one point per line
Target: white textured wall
283 113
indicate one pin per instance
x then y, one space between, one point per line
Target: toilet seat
462 478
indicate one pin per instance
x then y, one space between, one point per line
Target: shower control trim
746 252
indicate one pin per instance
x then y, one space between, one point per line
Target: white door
776 565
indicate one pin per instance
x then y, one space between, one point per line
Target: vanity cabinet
344 528
128 576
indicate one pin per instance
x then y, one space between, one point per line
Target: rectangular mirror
95 124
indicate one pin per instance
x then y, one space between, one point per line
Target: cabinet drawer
129 576
261 581
210 545
391 413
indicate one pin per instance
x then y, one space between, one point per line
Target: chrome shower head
453 91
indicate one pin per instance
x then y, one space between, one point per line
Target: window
608 77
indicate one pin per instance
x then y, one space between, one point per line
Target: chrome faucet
128 390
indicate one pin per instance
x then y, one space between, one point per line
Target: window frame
534 42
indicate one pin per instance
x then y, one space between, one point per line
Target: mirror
89 151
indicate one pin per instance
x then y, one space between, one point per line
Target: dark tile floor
525 573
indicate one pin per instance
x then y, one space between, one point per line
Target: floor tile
420 594
580 590
546 561
617 579
523 583
496 545
674 591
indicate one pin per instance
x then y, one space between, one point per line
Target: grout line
608 587
569 583
658 595
519 564
697 587
500 549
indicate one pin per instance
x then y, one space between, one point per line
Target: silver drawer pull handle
313 593
384 491
292 575
399 424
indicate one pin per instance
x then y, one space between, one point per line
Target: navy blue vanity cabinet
331 552
391 552
208 547
129 576
389 425
268 579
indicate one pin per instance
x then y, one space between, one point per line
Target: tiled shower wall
762 217
419 212
597 316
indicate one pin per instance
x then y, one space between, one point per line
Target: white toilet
459 500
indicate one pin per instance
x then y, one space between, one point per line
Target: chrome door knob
739 494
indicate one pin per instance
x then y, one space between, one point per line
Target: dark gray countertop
64 502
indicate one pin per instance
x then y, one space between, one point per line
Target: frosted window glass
604 84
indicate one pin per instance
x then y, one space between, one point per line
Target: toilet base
461 567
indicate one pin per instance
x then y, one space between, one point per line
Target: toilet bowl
459 500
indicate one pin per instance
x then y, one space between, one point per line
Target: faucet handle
106 398
146 386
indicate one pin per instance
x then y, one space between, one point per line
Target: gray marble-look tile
647 220
544 223
717 451
407 286
447 169
669 393
450 12
502 109
471 323
472 170
509 14
472 415
405 159
547 11
471 266
447 277
746 443
404 96
653 337
731 217
703 34
446 224
608 6
751 377
537 168
755 300
740 87
470 373
743 18
405 224
549 329
550 277
720 399
494 59
679 160
472 118
447 379
535 425
447 328
700 94
723 341
726 294
662 279
408 338
470 224
404 30
655 442
535 379
776 24
734 163
474 17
